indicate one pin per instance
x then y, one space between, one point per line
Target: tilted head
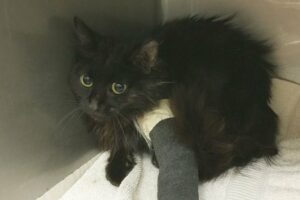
116 78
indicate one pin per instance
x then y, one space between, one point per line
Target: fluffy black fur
217 77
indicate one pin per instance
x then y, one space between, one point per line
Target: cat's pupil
87 80
118 88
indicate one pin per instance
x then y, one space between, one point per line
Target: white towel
258 181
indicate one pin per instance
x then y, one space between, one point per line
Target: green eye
86 81
118 88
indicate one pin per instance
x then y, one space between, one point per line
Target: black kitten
217 77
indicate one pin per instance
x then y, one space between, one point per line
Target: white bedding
259 181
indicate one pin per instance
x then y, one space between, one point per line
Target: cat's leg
119 165
122 160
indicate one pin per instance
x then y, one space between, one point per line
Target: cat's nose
93 105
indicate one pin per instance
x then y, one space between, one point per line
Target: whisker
121 115
78 115
113 122
120 125
122 130
64 122
114 125
165 82
67 122
61 101
131 122
149 99
68 115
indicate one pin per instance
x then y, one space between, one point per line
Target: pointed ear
146 56
85 36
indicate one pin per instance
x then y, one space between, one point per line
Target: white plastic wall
39 143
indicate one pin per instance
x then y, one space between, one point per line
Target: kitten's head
116 78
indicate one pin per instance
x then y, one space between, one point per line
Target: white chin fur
147 122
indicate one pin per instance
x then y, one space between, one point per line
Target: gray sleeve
178 171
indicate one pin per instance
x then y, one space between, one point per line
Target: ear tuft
147 56
84 34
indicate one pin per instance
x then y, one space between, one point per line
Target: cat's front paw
116 172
